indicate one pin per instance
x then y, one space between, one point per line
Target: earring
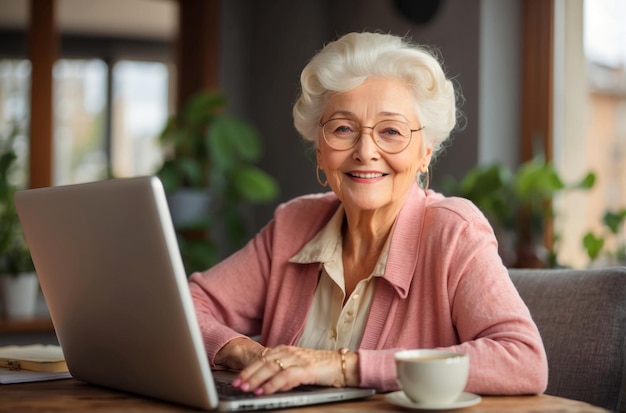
317 175
425 179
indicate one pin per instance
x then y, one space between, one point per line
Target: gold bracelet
342 353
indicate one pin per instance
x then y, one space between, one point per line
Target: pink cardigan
444 287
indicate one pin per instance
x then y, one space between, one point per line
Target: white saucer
464 400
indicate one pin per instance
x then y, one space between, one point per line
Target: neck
365 233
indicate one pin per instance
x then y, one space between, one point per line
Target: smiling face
364 177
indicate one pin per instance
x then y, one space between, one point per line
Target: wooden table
74 396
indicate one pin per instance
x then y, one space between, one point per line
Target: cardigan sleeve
256 291
493 323
377 369
229 297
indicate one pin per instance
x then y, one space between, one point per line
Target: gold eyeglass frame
322 124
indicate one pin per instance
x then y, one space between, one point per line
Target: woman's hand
285 367
239 353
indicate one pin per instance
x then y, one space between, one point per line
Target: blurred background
539 78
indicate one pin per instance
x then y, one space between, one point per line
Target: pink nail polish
245 386
259 391
236 382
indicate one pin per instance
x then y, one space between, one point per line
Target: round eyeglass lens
391 136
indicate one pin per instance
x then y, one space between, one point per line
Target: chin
366 198
366 203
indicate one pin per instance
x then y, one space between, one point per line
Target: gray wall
500 82
266 44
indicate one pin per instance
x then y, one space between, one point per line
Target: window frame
110 49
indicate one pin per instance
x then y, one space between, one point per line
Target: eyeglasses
391 136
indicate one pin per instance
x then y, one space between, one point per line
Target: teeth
367 175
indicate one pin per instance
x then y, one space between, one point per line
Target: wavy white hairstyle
347 62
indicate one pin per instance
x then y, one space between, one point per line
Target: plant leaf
235 138
255 185
614 220
202 103
191 171
587 182
593 245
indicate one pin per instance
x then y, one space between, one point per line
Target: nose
366 148
371 131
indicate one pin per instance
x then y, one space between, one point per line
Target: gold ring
280 364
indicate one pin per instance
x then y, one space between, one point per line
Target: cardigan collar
402 248
405 241
326 247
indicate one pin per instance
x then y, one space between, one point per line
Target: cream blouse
330 324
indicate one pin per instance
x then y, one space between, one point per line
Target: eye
341 128
389 131
392 130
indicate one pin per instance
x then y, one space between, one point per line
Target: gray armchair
581 315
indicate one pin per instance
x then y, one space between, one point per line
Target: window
15 109
107 113
140 110
594 118
80 153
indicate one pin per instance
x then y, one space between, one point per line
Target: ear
426 159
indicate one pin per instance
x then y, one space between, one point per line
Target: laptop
111 273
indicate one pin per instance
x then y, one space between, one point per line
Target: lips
366 175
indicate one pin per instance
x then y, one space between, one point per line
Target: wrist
343 352
238 353
352 369
348 371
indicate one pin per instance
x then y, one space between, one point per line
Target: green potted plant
19 281
597 244
211 169
518 204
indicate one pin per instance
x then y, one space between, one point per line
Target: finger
257 364
285 380
259 373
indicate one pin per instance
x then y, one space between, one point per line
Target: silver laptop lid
109 267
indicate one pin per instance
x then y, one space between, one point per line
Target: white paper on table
23 376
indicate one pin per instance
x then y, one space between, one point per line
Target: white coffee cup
435 377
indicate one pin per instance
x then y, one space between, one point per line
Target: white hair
347 62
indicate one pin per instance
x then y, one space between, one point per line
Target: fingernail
245 386
236 382
259 391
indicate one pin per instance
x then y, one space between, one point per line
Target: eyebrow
352 114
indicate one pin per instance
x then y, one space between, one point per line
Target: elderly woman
337 282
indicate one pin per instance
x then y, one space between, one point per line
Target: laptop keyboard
227 392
